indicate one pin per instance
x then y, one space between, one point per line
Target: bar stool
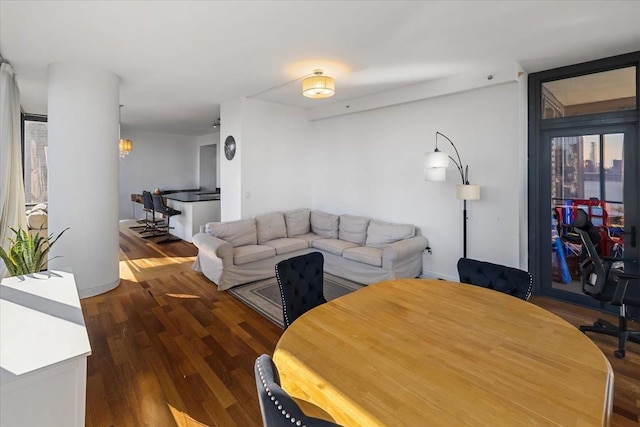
160 207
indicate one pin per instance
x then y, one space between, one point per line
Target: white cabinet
43 351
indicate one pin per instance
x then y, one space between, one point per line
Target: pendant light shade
125 147
318 86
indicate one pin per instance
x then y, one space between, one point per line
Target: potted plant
27 254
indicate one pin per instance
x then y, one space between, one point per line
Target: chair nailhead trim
284 304
273 399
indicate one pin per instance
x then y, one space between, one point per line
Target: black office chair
301 285
607 285
159 206
277 407
501 278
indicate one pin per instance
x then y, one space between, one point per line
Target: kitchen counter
189 197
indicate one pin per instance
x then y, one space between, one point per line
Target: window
613 90
35 158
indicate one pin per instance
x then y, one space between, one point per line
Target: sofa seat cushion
298 222
324 224
333 246
237 233
353 229
309 238
270 226
364 254
286 245
381 234
250 253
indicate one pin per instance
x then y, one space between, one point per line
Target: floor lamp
435 166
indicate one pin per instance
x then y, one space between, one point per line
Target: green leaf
27 253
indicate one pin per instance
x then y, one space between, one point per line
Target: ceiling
178 60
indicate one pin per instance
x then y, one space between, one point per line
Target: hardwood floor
169 349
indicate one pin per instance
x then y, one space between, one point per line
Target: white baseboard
97 290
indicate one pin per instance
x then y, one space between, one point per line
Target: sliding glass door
589 171
584 153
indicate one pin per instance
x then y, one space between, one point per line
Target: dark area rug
264 296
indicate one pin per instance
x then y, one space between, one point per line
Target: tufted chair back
277 407
301 285
494 276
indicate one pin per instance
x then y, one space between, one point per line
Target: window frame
26 117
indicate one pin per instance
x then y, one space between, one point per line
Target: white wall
275 165
371 164
271 168
158 160
231 170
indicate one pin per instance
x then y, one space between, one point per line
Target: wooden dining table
414 352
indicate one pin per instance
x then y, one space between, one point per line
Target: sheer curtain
11 183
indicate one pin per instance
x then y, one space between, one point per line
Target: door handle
632 233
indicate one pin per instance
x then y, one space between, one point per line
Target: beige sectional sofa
356 248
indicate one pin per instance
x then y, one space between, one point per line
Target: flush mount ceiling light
318 86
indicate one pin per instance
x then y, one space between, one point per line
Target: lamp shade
125 145
437 159
467 192
435 174
318 86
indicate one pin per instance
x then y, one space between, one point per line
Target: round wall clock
229 147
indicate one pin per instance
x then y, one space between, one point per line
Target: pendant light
125 145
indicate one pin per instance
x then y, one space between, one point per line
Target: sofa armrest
402 249
214 246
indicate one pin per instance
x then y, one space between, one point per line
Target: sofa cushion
286 245
270 226
333 246
353 229
365 254
298 222
237 233
309 237
381 234
324 224
249 253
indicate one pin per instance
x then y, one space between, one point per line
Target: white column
83 167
